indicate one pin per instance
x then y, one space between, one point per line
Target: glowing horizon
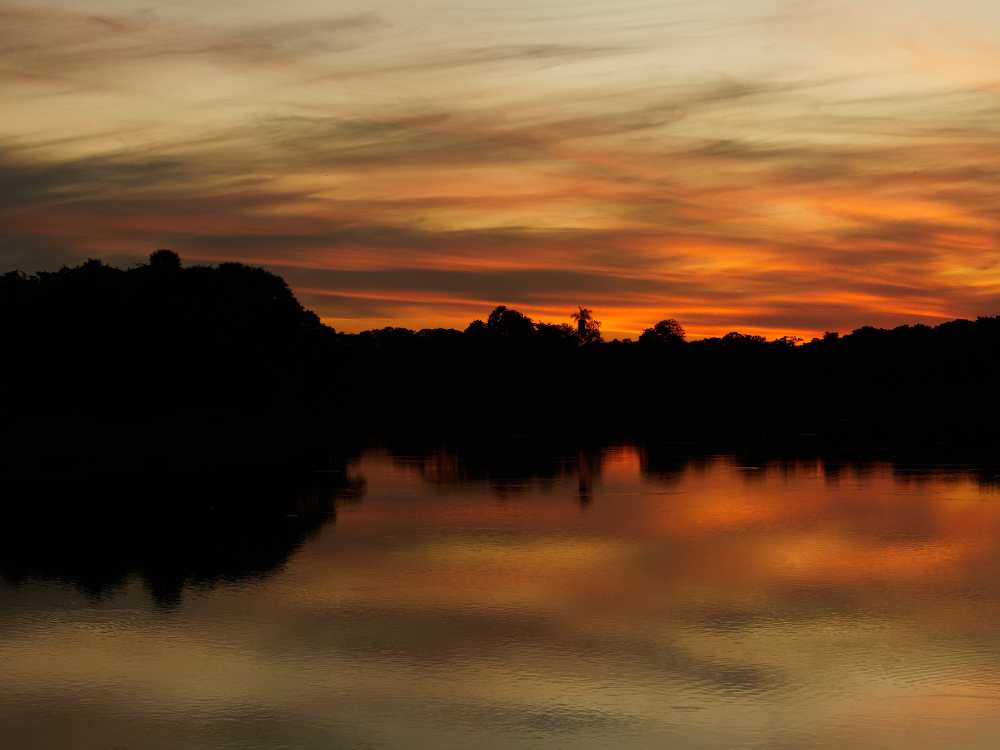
763 166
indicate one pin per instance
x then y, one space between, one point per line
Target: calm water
612 599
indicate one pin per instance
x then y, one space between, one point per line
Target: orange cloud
766 203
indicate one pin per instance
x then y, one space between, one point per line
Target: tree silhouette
666 332
509 323
165 260
588 329
737 339
214 365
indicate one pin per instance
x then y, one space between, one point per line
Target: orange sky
767 166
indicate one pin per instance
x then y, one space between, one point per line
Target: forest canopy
162 339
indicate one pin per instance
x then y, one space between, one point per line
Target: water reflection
172 533
603 597
518 467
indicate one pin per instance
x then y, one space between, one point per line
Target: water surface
609 598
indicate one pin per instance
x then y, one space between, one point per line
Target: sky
768 166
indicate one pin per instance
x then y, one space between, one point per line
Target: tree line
192 348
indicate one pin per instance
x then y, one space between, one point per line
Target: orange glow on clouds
401 168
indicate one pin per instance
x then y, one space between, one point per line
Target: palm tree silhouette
584 318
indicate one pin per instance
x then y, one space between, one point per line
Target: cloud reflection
708 602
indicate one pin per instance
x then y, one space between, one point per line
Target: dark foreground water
613 599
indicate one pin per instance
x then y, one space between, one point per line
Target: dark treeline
163 363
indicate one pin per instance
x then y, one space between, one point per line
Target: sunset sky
775 167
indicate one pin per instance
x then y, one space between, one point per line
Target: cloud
27 182
542 54
355 260
30 253
440 139
723 200
62 46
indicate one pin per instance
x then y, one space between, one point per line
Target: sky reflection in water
617 598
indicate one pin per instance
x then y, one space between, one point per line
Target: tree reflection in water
180 532
172 533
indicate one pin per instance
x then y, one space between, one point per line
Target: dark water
612 599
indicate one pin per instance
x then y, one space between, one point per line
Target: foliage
165 338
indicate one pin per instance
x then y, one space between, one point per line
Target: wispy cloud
55 45
422 181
